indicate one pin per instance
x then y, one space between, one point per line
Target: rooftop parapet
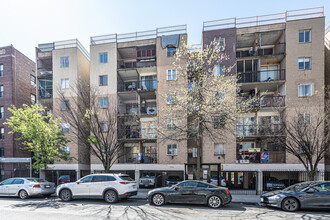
62 45
142 35
263 19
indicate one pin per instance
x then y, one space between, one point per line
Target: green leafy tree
40 134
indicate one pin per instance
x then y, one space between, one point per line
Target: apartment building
131 71
60 64
280 60
17 87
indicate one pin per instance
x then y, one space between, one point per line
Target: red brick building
17 87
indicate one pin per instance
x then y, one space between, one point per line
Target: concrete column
42 174
137 176
259 182
77 174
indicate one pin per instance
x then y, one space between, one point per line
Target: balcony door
269 72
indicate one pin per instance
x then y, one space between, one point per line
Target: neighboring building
59 65
17 87
280 59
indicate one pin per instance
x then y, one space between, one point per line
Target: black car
172 180
191 192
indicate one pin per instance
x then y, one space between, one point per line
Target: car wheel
158 199
23 194
111 196
65 195
290 204
214 202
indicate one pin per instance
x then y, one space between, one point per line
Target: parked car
64 179
190 192
271 183
110 187
172 180
214 181
298 196
26 187
149 180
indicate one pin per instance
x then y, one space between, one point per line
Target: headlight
275 197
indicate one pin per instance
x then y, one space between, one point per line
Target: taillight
124 182
37 186
227 191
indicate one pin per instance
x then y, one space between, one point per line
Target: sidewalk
142 194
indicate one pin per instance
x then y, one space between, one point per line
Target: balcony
137 109
138 133
272 101
260 157
261 76
139 158
272 129
276 49
145 85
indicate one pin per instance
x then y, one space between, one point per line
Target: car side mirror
175 187
78 182
311 190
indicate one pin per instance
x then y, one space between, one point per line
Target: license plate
145 185
134 187
262 199
47 186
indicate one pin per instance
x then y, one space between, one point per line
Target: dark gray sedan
190 192
301 195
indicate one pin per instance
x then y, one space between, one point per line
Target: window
219 149
305 90
64 61
45 88
1 91
86 179
143 52
66 150
171 74
2 152
65 128
324 187
219 95
172 149
245 126
65 105
171 98
304 118
33 80
218 70
103 57
103 80
33 99
219 122
1 69
305 36
148 82
171 123
304 63
2 112
170 51
104 127
188 184
2 133
18 181
103 102
7 182
219 44
103 178
65 83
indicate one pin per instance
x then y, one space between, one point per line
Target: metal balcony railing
144 85
261 76
133 134
278 49
264 19
255 157
272 101
139 158
137 109
134 64
258 130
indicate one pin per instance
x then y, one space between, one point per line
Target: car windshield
127 178
298 187
36 180
148 175
173 178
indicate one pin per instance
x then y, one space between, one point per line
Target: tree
204 100
40 133
95 127
306 136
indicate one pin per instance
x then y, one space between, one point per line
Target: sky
27 23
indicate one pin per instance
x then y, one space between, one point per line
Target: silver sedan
315 194
26 187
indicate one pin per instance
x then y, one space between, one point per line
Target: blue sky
25 23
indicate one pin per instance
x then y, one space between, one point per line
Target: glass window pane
307 63
301 63
301 36
307 36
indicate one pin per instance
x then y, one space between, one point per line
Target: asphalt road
40 208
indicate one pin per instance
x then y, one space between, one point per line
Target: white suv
110 187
